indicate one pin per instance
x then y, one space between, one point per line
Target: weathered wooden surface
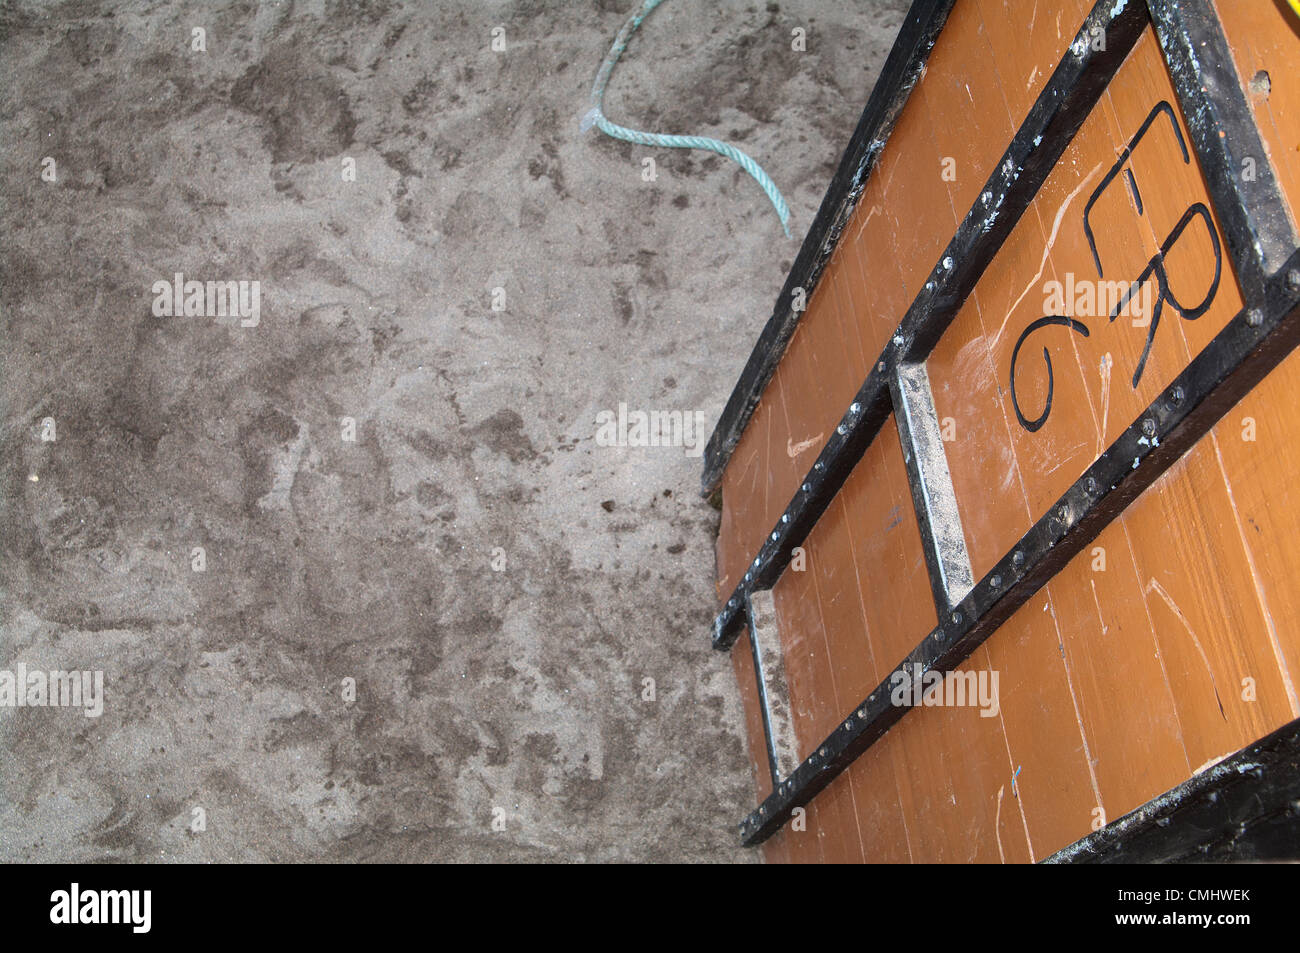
1171 641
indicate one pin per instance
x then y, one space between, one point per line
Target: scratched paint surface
1171 641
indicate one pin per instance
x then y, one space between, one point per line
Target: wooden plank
1258 449
952 86
875 286
829 562
1056 785
887 551
1126 706
1201 598
1027 40
918 219
957 769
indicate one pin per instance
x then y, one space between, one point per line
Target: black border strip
902 70
1061 108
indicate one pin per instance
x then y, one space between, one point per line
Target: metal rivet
785 517
822 752
1018 560
996 582
841 430
881 367
1063 514
1293 279
1149 427
819 466
1254 317
848 724
956 618
862 713
807 487
1090 485
854 407
1177 395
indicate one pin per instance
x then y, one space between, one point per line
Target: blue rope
596 117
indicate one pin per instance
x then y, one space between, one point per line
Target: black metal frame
1263 248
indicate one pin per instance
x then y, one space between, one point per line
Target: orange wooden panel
916 211
887 552
875 286
1027 39
881 825
1258 446
831 558
814 705
960 808
1126 706
1056 785
1116 681
857 360
1265 37
1201 598
801 389
951 85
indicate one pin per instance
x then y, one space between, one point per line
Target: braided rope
596 117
